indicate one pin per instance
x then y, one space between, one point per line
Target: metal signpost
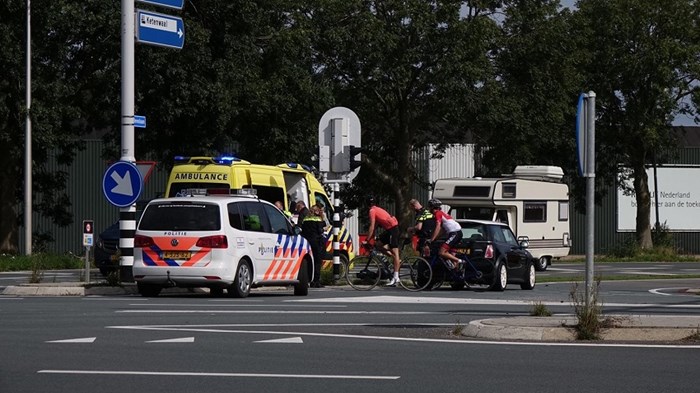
338 143
153 29
585 143
88 231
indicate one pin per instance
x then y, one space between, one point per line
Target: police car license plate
177 254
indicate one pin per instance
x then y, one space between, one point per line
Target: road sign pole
590 194
127 215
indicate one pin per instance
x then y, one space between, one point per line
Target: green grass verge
39 261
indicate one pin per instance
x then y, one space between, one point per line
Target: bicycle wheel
363 273
415 273
439 276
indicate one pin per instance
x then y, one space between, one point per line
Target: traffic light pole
336 233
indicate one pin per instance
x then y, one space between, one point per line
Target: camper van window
535 212
472 191
509 190
563 211
474 213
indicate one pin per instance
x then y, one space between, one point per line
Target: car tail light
218 241
143 241
489 252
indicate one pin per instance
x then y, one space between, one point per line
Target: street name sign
175 4
157 29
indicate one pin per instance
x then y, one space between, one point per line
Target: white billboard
679 200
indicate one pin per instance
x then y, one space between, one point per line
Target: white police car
231 243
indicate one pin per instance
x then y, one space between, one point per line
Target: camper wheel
541 264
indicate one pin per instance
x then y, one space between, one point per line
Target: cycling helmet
434 203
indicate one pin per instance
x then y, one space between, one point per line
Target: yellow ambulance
286 183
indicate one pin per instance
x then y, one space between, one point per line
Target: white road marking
290 340
232 305
657 291
174 340
203 329
86 340
270 312
228 375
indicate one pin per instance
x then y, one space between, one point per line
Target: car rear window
181 217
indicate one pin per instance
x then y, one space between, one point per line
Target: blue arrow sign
176 4
139 121
122 184
160 29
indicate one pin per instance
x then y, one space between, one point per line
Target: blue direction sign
176 4
139 121
122 184
160 29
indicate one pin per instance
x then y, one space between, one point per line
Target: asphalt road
336 339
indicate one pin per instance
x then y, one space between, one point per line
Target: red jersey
382 217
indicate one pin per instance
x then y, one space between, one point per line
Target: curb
644 328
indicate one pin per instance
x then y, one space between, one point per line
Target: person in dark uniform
425 223
312 228
301 211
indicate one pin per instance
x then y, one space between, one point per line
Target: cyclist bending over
444 222
379 216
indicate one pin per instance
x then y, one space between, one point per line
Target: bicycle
465 276
364 272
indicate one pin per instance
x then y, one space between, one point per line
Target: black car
107 250
495 258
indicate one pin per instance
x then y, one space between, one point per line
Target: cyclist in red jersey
443 221
390 236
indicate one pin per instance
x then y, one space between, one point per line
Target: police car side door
259 241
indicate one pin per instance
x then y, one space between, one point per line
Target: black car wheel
529 279
541 264
500 280
148 290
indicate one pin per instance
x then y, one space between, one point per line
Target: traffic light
355 162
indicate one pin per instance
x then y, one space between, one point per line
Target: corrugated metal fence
84 188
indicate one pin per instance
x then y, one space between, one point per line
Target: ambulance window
278 223
176 189
234 216
535 212
254 217
327 207
270 194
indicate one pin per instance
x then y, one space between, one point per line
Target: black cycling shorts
391 237
453 239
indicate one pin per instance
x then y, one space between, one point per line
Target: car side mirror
524 241
297 230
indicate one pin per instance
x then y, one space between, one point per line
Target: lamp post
28 143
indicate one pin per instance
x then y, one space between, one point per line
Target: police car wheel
242 282
302 287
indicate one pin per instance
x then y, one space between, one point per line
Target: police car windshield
181 217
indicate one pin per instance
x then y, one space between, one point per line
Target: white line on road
227 375
187 328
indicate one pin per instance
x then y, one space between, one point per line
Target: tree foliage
255 77
413 71
644 65
70 43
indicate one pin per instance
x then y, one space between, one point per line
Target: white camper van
532 201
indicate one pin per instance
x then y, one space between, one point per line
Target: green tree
74 47
644 69
414 71
243 83
531 121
